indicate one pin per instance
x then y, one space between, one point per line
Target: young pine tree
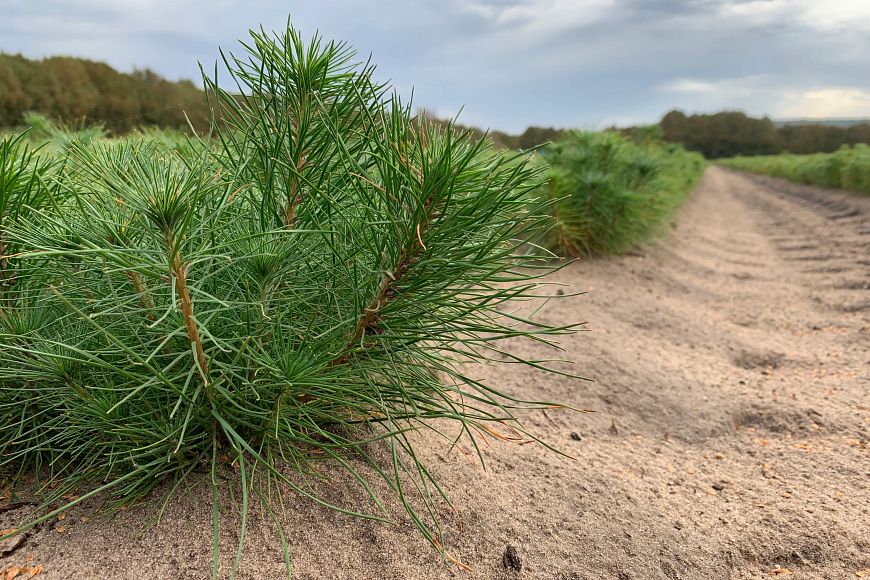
304 288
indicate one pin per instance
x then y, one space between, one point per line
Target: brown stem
4 261
179 270
371 316
141 288
7 279
3 265
294 196
372 312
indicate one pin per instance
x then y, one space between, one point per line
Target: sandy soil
730 438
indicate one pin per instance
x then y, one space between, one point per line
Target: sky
508 64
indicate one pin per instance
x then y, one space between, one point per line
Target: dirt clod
511 559
10 545
759 360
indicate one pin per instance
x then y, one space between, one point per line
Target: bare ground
730 438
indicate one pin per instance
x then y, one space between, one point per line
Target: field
848 168
728 437
281 348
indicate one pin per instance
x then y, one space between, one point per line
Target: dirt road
730 438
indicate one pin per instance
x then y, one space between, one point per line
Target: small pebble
576 436
511 559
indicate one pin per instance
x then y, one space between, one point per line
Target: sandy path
732 401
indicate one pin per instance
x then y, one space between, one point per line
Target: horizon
510 64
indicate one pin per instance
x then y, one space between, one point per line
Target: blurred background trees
81 91
717 135
731 133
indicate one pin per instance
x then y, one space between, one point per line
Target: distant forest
531 137
733 133
79 91
725 134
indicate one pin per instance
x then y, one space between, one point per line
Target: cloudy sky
510 63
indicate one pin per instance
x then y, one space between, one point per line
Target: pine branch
179 273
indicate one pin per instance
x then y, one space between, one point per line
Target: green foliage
643 134
847 168
57 138
21 195
78 90
610 193
732 133
303 289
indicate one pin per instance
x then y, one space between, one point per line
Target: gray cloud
511 63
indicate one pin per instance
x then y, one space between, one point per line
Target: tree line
731 133
717 135
528 139
80 91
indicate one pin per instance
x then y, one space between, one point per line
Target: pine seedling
610 193
306 288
